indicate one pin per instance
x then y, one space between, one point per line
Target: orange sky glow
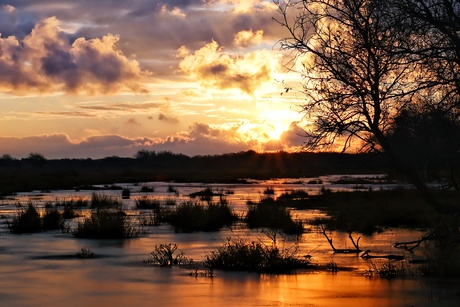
95 79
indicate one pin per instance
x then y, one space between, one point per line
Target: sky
92 79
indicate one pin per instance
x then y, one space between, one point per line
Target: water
40 270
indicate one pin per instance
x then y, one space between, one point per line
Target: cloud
151 29
199 139
245 38
168 118
46 61
290 140
213 67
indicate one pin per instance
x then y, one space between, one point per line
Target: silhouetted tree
432 31
429 142
355 84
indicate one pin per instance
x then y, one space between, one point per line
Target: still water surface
38 270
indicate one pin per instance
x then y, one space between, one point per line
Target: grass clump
241 255
85 253
206 194
26 221
103 201
52 219
269 213
173 190
191 216
147 189
106 224
442 260
370 211
147 203
73 203
29 220
269 191
165 255
125 193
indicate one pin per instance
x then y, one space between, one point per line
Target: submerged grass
165 255
103 201
242 255
192 216
106 224
28 220
269 213
371 211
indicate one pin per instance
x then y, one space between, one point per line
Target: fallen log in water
366 255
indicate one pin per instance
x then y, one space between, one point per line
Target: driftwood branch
411 245
356 245
366 255
355 250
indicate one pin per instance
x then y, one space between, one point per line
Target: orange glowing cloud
211 66
246 38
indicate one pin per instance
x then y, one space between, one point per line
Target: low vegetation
242 255
85 253
103 201
268 213
147 203
192 216
165 255
28 220
372 211
52 219
206 194
106 224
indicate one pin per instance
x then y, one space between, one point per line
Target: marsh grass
371 211
242 255
387 269
103 201
147 203
206 194
106 224
125 193
269 213
147 189
173 190
192 216
69 213
85 253
26 221
269 191
76 203
442 261
165 255
52 219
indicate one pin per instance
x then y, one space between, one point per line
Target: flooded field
41 270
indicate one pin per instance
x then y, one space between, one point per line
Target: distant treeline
37 172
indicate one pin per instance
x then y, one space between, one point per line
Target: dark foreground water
41 270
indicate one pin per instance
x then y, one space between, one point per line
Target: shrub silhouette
191 216
26 221
241 255
106 224
269 213
52 219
